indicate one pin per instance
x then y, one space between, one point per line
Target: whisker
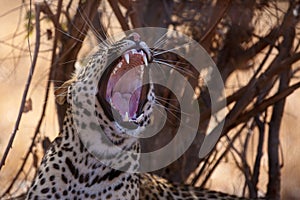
90 24
75 27
175 109
171 61
176 62
169 111
160 69
65 33
56 81
164 98
182 70
171 50
160 41
176 117
169 108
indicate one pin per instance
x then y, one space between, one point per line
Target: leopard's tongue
126 93
124 87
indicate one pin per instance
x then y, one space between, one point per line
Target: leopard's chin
122 92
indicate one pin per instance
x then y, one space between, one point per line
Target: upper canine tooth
142 72
145 60
126 56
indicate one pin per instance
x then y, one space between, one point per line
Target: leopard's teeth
139 119
111 103
126 57
126 117
145 60
142 72
117 68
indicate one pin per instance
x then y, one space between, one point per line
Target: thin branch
36 132
115 7
37 129
33 64
273 188
217 162
246 168
259 151
219 13
53 17
252 88
264 105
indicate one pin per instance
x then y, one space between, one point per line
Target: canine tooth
126 118
145 60
138 120
142 72
111 103
126 56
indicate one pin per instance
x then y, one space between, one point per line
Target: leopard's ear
62 91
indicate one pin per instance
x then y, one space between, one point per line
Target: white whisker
182 70
175 109
171 50
160 41
89 23
161 70
169 111
67 34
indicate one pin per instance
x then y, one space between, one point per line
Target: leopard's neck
83 164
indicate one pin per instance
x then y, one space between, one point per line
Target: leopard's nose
135 37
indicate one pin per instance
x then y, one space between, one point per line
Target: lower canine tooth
126 118
138 120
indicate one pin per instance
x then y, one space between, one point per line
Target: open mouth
122 93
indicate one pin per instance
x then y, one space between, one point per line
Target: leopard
87 160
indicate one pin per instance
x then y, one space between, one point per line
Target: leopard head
123 90
111 98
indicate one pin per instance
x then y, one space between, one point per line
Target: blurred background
255 45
